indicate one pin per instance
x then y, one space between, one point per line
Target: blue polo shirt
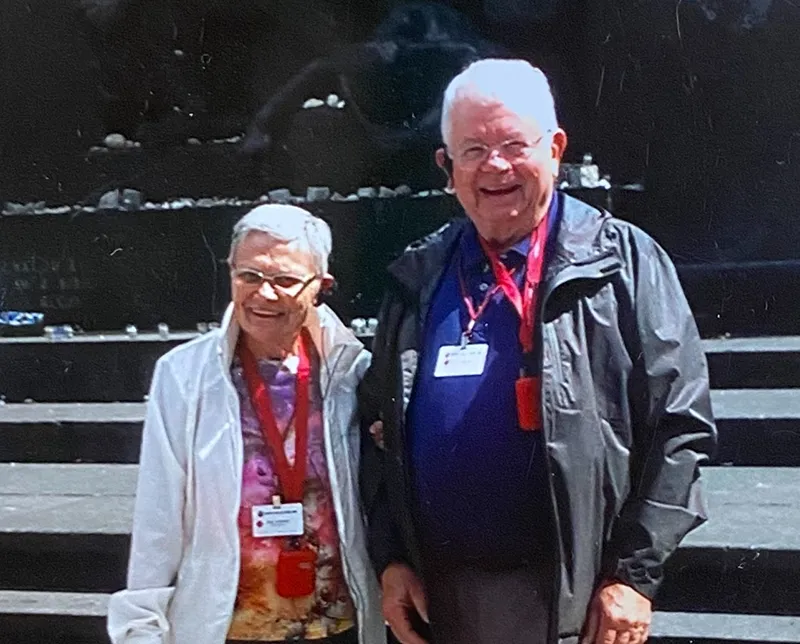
479 480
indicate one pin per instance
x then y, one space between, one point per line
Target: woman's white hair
517 84
286 224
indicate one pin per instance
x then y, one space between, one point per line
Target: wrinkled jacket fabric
183 572
625 402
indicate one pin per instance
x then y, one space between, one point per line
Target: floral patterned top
260 613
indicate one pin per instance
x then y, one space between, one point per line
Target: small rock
179 53
386 193
131 199
358 326
205 202
131 331
352 197
437 193
367 193
372 325
163 331
340 105
193 141
423 194
311 103
280 195
175 205
109 201
137 144
318 193
151 206
233 139
336 196
115 141
98 148
332 100
12 208
202 327
403 191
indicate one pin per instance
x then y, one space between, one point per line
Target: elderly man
538 398
248 525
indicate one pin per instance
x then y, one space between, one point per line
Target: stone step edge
728 404
735 627
726 626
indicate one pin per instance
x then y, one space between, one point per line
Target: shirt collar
472 254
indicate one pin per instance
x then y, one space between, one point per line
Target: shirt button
483 287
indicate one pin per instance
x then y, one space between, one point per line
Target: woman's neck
277 349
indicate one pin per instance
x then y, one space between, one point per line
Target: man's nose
496 161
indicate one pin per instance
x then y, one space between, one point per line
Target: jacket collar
329 334
580 250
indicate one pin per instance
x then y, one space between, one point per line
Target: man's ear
557 148
327 284
446 164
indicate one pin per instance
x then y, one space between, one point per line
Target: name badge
466 360
284 520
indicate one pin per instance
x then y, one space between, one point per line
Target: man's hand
376 431
618 615
403 593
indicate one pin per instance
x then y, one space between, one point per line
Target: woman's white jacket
184 562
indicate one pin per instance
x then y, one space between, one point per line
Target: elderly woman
248 525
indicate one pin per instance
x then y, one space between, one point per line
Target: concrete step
71 432
114 367
103 367
711 628
754 363
747 557
44 617
756 427
66 528
80 617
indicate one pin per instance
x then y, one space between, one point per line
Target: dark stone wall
698 100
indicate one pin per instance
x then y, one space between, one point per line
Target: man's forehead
473 118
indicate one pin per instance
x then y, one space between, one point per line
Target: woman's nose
267 291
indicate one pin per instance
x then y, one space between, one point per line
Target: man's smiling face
504 167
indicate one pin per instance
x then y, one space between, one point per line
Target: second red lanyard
291 478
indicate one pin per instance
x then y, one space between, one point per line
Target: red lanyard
291 479
525 302
472 312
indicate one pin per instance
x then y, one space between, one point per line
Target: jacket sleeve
383 536
673 426
138 614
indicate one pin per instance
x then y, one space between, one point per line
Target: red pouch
529 403
296 575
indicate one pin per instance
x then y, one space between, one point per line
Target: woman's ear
327 287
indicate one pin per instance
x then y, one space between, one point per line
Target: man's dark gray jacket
625 403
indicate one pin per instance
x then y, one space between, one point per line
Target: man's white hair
286 224
517 84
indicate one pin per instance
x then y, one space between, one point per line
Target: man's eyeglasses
284 283
514 151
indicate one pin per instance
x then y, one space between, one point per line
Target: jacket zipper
555 359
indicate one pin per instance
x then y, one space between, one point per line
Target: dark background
696 100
